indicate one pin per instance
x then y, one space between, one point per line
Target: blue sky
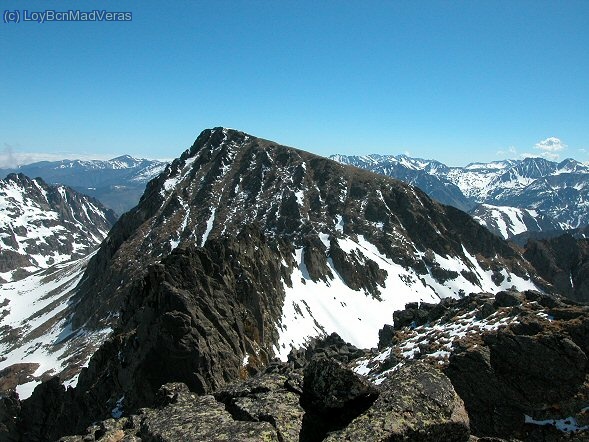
458 81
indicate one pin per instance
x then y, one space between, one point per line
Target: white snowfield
313 309
36 309
509 220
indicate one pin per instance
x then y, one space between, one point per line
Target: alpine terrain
248 295
504 195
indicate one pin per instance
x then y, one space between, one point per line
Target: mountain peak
125 158
325 218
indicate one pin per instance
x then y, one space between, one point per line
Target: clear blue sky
458 81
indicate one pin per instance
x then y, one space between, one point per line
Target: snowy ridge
42 225
508 222
117 183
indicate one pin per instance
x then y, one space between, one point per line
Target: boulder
416 403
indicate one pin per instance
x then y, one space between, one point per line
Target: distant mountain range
550 195
117 183
509 197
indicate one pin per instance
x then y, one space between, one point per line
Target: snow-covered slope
36 337
311 309
508 222
41 225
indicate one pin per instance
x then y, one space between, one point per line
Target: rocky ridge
515 369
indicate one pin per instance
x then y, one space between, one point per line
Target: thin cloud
550 147
7 157
510 152
11 159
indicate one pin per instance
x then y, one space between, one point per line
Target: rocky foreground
510 367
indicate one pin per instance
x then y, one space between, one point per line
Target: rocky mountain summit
118 183
340 245
42 225
552 193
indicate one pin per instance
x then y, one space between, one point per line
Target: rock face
42 225
207 312
517 360
275 406
564 261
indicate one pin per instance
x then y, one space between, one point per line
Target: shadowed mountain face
564 262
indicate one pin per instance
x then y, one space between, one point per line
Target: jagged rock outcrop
333 396
211 311
518 360
266 409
